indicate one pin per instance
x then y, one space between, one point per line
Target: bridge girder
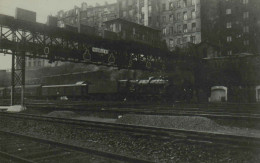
57 44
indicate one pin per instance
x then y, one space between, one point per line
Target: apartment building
239 26
144 12
180 22
233 25
92 16
128 30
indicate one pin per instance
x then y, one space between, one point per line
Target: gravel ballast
146 147
185 122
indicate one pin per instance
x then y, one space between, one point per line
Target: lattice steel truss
52 43
18 78
18 69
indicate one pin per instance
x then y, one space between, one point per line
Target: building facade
144 12
180 22
128 30
239 26
92 16
233 25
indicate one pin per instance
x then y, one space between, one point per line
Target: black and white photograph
129 81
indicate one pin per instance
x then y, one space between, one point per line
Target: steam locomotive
152 89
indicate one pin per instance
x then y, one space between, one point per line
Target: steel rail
72 148
169 112
14 157
215 137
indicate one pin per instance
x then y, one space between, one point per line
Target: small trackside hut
218 94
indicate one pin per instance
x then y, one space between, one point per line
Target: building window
193 26
143 9
133 31
142 15
245 15
130 3
185 29
245 29
171 5
246 42
164 19
119 27
192 39
123 3
193 14
245 1
149 20
228 11
170 17
184 3
184 39
179 28
229 39
164 31
29 64
124 14
179 4
229 25
150 9
171 30
171 43
229 52
193 2
131 12
178 40
163 6
179 16
185 16
39 63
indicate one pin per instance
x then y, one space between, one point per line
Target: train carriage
32 91
104 90
2 93
70 91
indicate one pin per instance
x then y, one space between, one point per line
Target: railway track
187 135
186 112
26 149
214 108
245 115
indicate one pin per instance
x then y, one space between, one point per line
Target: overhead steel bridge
58 44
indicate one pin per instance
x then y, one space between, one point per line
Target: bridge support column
18 78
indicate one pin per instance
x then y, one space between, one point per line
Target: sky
43 8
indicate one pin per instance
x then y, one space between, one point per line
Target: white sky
43 8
